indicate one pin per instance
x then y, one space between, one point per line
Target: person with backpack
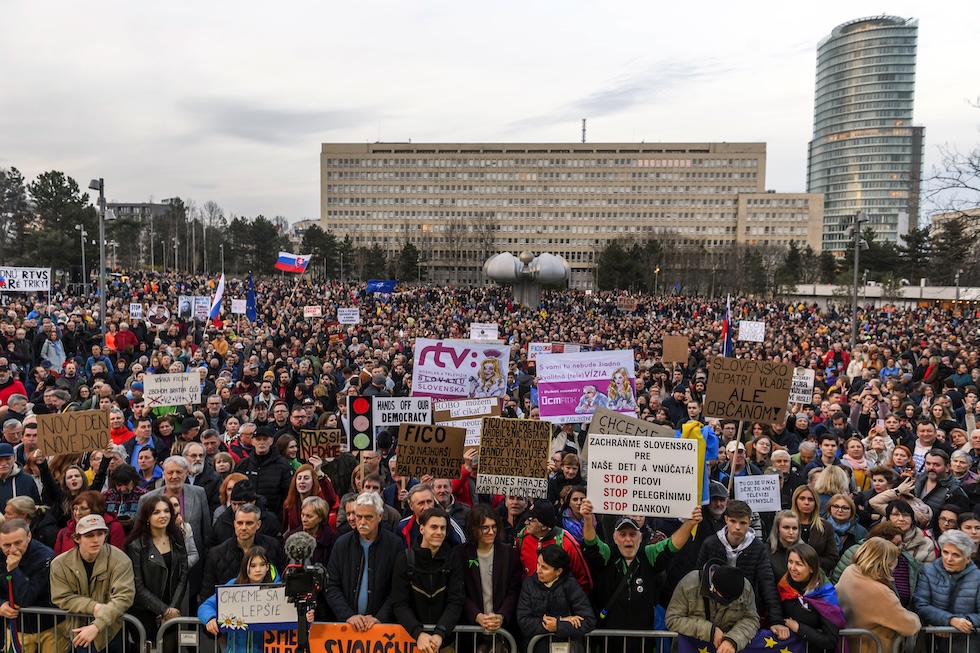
427 584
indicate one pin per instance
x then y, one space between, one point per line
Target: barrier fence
939 639
48 630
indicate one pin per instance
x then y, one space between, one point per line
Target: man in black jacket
268 470
202 474
28 566
223 561
360 568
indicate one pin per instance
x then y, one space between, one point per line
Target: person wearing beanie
714 605
539 531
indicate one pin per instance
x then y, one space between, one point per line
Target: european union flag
250 310
382 286
763 642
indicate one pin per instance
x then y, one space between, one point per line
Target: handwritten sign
625 304
342 638
318 442
801 390
608 422
349 315
389 413
483 331
654 477
25 279
172 389
514 456
135 311
254 607
676 349
239 306
760 492
535 348
77 432
428 449
312 311
202 308
467 414
747 390
752 331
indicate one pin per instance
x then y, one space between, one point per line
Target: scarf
840 530
822 598
854 463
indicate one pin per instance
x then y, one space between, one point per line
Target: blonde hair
875 558
832 480
817 523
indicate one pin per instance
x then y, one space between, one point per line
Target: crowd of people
879 527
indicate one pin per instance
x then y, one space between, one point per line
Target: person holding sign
626 591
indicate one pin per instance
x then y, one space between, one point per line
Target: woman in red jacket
89 502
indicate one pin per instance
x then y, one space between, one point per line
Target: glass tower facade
865 154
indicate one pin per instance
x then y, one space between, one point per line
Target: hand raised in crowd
906 487
586 508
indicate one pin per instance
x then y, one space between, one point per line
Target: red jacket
66 541
528 547
126 339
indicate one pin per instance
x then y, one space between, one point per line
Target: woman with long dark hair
810 605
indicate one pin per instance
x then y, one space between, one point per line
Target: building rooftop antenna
583 130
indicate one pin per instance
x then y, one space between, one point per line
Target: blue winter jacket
239 641
939 596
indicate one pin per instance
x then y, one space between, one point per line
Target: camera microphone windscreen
299 547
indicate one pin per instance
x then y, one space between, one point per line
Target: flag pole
291 295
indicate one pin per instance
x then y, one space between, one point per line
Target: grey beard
196 468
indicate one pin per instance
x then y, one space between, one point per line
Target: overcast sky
229 101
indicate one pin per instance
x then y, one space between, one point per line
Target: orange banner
342 638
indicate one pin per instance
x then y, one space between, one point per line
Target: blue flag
379 285
250 311
763 642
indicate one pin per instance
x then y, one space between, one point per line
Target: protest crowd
876 522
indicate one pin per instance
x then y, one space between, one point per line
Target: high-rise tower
865 154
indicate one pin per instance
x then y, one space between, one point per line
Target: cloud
266 125
654 84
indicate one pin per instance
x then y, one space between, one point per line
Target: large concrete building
865 154
459 203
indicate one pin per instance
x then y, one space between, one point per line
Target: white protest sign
312 311
801 389
653 477
349 315
483 331
202 308
388 413
238 306
535 348
171 389
760 492
255 607
25 279
752 331
135 311
466 414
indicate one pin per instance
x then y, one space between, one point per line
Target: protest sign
25 279
445 369
429 449
654 477
171 389
749 390
349 315
514 456
79 432
466 414
389 412
572 386
626 304
676 349
202 308
239 306
254 607
318 442
342 638
135 311
483 331
801 390
566 348
760 492
185 307
752 331
312 311
535 348
608 422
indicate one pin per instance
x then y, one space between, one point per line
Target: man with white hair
202 474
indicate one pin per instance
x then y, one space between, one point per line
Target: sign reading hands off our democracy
749 390
514 456
78 432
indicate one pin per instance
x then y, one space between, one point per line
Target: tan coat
873 606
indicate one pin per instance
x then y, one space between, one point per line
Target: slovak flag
726 331
293 262
218 296
3 281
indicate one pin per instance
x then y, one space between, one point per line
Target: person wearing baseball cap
625 575
539 531
715 605
736 465
94 578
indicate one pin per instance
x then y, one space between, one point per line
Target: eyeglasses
840 508
492 528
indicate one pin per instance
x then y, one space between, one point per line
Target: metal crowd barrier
191 634
658 641
940 639
34 638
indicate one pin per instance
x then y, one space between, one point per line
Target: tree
14 213
375 262
406 266
879 259
955 182
324 247
59 205
914 254
951 250
265 241
829 267
789 272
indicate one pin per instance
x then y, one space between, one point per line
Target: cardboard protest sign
25 279
202 308
750 390
535 348
483 331
625 304
349 315
676 349
390 412
608 422
171 389
456 369
572 386
467 414
239 306
312 311
78 432
760 492
429 449
654 477
752 331
318 442
135 311
801 390
342 638
254 607
514 456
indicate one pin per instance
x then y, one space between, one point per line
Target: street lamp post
419 268
221 248
176 244
82 234
859 219
113 244
958 273
99 185
656 280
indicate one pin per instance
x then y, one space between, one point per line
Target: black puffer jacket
430 593
224 561
344 574
754 562
270 476
563 599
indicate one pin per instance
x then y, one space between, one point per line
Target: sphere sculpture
526 272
